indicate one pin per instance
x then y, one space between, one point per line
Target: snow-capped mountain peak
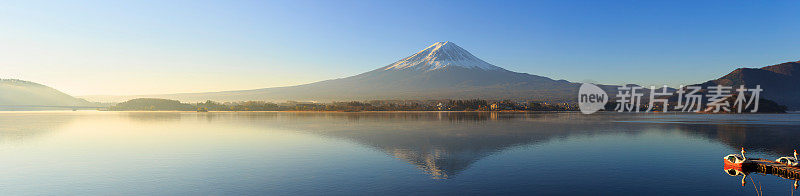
441 55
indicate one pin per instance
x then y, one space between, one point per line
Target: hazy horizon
139 48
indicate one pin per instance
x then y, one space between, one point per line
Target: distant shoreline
400 111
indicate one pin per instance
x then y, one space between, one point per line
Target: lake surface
391 153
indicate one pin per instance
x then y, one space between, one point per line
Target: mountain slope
19 92
781 82
441 71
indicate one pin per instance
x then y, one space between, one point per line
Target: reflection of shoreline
763 132
444 144
23 126
721 119
440 144
775 140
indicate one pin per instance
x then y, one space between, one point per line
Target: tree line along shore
153 104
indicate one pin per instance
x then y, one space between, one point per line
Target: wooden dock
773 168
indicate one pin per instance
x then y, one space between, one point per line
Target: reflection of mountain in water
772 133
444 144
777 140
19 127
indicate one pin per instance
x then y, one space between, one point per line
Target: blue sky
144 47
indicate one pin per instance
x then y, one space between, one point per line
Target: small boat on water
736 160
784 167
790 161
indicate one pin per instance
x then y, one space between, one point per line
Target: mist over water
428 153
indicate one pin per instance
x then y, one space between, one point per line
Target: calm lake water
418 153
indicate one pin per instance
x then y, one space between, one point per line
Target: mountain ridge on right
781 82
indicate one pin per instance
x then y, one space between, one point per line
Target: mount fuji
440 55
441 71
